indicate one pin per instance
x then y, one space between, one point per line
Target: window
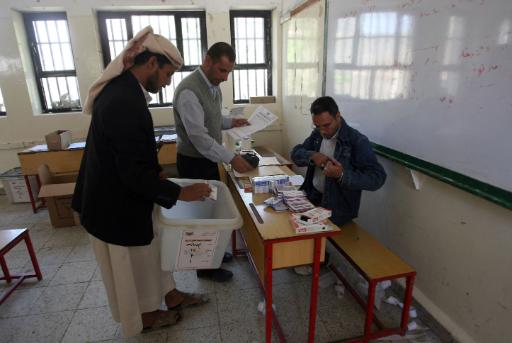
52 56
185 29
3 112
250 36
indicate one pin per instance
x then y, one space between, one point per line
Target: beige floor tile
250 331
97 274
19 302
81 253
74 272
239 306
44 328
59 298
52 256
95 296
91 325
158 336
199 316
243 277
209 334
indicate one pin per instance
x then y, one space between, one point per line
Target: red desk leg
43 202
234 249
268 292
407 303
369 311
33 257
314 289
30 194
5 270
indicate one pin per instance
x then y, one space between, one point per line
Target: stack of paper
297 201
314 220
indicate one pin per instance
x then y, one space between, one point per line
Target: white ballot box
195 234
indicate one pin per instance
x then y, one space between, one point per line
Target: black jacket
118 181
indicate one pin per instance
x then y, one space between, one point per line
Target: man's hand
237 122
196 191
333 169
162 175
240 164
320 160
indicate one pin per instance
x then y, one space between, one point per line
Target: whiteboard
431 79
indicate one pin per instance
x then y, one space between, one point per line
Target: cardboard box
58 140
58 190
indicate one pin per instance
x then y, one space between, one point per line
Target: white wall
25 125
459 244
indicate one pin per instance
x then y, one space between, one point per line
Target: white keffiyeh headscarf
144 40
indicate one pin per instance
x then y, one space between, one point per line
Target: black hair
220 49
143 57
324 104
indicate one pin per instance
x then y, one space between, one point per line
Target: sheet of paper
169 138
77 145
259 119
269 161
197 249
261 171
39 147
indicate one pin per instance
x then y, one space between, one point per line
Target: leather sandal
163 319
191 300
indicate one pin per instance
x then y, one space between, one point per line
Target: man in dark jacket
340 161
119 182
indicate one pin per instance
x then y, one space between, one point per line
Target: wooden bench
375 263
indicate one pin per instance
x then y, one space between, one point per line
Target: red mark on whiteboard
480 70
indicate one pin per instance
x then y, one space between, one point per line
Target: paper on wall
259 119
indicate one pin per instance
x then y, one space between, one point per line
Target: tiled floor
69 304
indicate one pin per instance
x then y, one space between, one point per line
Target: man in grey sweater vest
199 124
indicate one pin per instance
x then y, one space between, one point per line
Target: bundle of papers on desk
276 203
314 220
269 184
292 200
296 201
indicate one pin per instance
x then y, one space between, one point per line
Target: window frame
28 19
267 32
102 17
3 113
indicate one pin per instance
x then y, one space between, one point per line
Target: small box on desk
58 140
58 193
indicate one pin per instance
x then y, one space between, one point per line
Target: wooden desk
68 162
273 244
8 240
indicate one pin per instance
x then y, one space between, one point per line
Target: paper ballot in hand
213 193
259 119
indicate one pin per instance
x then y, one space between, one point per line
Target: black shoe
228 257
217 275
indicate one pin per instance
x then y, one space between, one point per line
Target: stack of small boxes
314 220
